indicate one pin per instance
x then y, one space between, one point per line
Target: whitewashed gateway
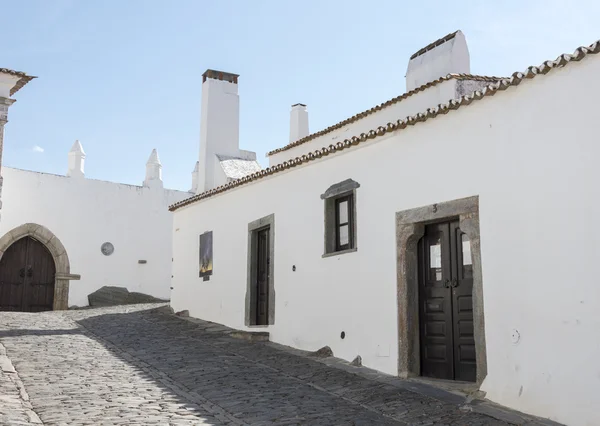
60 228
448 232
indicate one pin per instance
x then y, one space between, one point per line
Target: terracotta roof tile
22 81
382 106
516 79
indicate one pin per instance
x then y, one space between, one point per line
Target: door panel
262 293
12 279
27 274
436 308
39 276
445 303
462 301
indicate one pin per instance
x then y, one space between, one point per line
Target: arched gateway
34 270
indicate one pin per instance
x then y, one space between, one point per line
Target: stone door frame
410 227
57 250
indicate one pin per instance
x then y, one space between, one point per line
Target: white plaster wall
412 105
85 213
7 82
530 153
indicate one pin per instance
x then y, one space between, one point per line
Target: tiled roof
433 45
22 81
237 168
516 79
384 105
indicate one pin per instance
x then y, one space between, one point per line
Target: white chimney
219 123
448 55
76 161
195 178
298 122
153 171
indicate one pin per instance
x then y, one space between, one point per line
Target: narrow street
139 365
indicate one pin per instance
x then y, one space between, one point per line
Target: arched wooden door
27 273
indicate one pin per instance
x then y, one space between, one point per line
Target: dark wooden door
262 281
445 303
27 277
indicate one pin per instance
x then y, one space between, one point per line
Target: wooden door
262 281
27 273
445 303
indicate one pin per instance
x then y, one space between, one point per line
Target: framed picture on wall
206 254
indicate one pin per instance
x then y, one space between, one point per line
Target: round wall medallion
107 249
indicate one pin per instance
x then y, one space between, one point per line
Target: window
343 225
340 218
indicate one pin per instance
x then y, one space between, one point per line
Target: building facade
63 237
424 235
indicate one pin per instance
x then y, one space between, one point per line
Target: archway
56 249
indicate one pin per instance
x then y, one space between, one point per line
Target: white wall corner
76 161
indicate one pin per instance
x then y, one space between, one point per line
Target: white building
60 228
410 234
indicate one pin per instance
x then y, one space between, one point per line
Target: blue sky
124 76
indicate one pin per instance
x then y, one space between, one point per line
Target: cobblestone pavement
136 366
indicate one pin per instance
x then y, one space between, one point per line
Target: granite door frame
59 255
410 227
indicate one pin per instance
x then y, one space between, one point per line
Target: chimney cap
295 105
220 75
77 148
153 159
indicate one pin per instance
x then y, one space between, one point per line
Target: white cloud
37 148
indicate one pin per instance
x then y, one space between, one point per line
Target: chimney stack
219 123
448 55
298 122
76 161
153 171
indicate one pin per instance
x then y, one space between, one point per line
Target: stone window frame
59 255
250 308
333 193
410 227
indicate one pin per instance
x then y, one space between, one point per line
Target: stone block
111 296
108 296
324 352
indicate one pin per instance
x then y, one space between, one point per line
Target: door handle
30 272
22 272
447 283
454 283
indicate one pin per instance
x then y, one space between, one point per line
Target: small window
343 223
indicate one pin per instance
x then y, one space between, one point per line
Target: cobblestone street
132 365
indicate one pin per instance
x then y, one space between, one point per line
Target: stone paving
134 365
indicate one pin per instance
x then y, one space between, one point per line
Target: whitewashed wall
85 213
531 155
412 105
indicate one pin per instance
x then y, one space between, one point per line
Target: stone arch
57 250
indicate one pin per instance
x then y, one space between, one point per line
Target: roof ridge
433 44
379 107
516 79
